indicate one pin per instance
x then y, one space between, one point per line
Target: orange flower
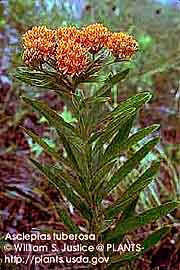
39 44
122 45
94 37
33 57
71 57
67 33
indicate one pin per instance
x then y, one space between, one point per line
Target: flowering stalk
89 172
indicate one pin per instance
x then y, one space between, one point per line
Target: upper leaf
111 81
43 79
54 119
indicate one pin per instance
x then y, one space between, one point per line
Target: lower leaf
132 223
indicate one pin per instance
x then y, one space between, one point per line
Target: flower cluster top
70 48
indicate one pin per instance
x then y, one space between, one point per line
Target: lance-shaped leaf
132 192
113 149
70 150
111 81
116 261
140 135
155 237
130 209
51 115
132 223
98 178
109 122
65 130
122 110
91 104
43 79
129 165
67 220
136 101
48 149
68 192
75 155
90 108
74 183
112 128
34 77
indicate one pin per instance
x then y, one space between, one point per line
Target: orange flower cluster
70 47
122 45
94 37
39 44
67 33
72 59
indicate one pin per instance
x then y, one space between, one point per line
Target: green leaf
76 101
74 183
148 243
67 116
119 140
132 192
54 119
33 77
130 209
117 146
111 81
136 101
130 164
118 116
70 149
66 131
115 123
141 134
67 220
48 149
75 155
42 79
68 192
93 101
132 223
155 237
99 175
117 261
93 107
143 181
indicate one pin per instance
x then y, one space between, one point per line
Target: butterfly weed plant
89 170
